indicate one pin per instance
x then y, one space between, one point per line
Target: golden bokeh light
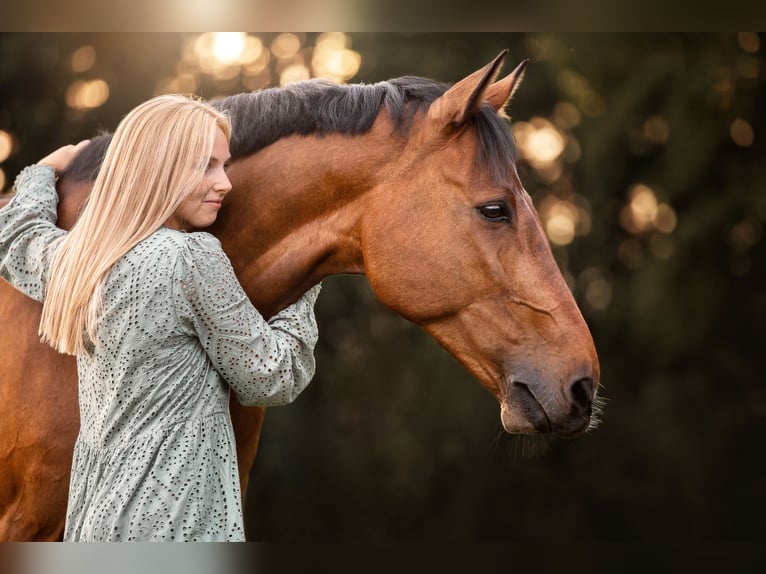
253 50
644 212
221 54
338 65
87 94
183 83
564 219
749 41
238 60
572 151
539 142
258 64
578 87
231 59
2 180
742 133
596 287
83 58
294 73
656 129
228 47
333 60
286 45
566 115
598 293
643 205
560 228
666 218
6 145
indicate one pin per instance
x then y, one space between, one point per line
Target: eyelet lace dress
155 458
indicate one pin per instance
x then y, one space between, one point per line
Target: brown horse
410 182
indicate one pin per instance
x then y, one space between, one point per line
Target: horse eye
495 212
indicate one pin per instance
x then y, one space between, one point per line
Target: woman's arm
27 224
265 363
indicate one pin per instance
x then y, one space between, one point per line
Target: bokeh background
644 154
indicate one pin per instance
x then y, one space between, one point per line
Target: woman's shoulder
186 240
183 247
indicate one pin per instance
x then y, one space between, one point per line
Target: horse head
454 244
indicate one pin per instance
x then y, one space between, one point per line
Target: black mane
319 107
84 167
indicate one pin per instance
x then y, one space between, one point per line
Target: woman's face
200 208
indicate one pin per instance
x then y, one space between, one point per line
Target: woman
159 323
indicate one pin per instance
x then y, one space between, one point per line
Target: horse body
448 239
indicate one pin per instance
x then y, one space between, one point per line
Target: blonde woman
160 326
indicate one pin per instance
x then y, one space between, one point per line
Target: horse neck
294 215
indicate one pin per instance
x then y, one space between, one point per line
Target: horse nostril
581 393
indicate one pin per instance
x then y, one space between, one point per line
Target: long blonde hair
157 156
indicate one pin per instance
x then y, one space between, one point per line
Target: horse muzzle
531 408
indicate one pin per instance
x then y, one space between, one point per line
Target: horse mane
85 165
320 107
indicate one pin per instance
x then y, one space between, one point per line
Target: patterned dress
155 458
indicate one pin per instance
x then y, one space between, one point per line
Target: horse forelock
320 107
497 148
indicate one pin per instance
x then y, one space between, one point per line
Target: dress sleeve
265 363
28 231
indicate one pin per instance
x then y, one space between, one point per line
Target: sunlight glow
333 60
545 145
294 73
237 60
285 45
228 47
541 144
87 94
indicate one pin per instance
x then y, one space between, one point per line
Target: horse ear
462 100
500 93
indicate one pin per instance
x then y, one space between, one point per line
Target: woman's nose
224 184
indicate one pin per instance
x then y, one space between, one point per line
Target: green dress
155 458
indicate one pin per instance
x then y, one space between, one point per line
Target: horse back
39 422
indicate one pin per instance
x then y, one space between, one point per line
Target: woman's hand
60 159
